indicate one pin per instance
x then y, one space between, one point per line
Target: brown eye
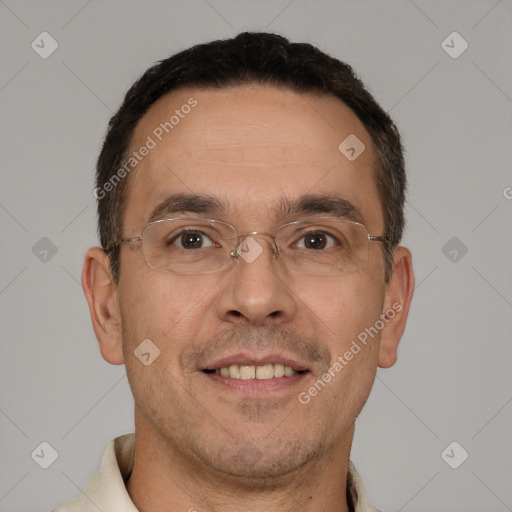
192 240
317 240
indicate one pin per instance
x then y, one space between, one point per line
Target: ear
102 296
397 300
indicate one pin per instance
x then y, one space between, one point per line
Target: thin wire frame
235 240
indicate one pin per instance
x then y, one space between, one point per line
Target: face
251 150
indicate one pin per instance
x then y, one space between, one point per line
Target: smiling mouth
252 372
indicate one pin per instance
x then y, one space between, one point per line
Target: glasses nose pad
275 250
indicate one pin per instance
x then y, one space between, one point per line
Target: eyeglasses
203 246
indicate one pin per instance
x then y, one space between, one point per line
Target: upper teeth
246 372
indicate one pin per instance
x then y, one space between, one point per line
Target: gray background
453 380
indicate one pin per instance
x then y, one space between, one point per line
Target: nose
256 292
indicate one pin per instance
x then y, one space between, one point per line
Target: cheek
165 308
169 311
345 314
341 308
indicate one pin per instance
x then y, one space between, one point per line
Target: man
250 199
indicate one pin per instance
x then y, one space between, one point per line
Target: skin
199 444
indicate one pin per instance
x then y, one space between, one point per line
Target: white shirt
106 491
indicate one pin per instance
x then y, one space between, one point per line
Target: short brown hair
251 57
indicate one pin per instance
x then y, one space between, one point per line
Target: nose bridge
255 233
255 293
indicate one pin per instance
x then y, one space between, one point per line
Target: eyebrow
307 204
324 204
194 203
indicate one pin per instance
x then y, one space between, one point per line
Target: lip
245 359
254 387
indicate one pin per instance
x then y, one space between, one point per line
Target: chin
254 463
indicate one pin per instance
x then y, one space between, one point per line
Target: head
247 131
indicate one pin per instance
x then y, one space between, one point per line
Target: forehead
251 146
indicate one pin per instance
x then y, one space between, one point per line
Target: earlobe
398 296
102 296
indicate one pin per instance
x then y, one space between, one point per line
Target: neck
166 479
